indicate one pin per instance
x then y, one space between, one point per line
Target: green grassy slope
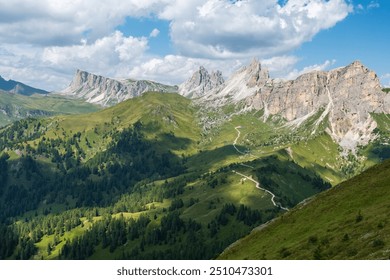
16 106
147 174
98 165
349 221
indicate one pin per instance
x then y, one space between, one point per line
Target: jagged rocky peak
256 75
201 83
242 84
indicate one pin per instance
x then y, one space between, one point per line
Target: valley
159 175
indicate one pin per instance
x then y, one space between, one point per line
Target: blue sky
363 35
43 42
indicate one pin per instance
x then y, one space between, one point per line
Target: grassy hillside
144 164
16 106
150 179
349 221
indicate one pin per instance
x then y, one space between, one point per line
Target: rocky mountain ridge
344 97
104 91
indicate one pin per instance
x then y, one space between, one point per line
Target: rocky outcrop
106 91
343 97
201 83
242 84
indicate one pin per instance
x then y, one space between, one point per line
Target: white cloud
106 55
316 67
58 36
280 66
222 29
359 7
385 80
107 50
60 22
24 64
373 5
175 69
155 32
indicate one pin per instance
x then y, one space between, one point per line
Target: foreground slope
349 221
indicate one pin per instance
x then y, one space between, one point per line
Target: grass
349 221
19 106
211 200
320 155
171 121
46 240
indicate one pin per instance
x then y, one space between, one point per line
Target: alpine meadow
163 176
194 130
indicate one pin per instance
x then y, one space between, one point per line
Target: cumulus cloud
202 28
104 52
316 67
175 69
24 64
111 56
54 66
225 29
59 36
280 66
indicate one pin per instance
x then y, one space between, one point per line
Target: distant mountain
106 91
18 87
200 83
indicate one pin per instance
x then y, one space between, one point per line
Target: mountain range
166 172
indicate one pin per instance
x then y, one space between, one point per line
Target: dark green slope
350 221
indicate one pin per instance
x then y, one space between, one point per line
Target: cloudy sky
43 42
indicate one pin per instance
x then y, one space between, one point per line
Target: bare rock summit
201 83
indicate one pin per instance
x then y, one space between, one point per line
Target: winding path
250 178
235 140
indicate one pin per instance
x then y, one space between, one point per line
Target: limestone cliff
345 96
106 91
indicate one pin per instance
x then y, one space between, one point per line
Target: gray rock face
105 91
345 96
201 83
242 84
